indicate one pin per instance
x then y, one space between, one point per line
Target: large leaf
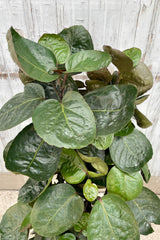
140 76
146 210
103 142
21 106
90 190
78 38
72 167
11 222
119 59
56 210
69 124
113 106
32 58
130 153
142 120
88 60
134 54
111 218
31 156
125 185
57 45
31 190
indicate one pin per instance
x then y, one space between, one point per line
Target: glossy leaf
111 218
113 106
31 156
88 60
127 186
26 224
126 130
130 153
146 173
134 54
58 206
103 142
141 99
67 236
92 151
90 190
119 59
7 147
142 120
69 124
32 58
21 106
72 167
101 75
78 38
31 190
82 223
146 210
11 222
57 45
140 76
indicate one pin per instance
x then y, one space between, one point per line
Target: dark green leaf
100 181
88 60
31 190
119 59
108 158
31 156
111 218
58 206
146 173
11 222
78 38
141 99
72 167
69 124
146 210
126 130
67 236
26 224
21 106
57 45
113 106
92 151
32 58
130 153
82 224
142 120
103 142
90 190
93 84
140 76
102 75
79 84
134 54
5 152
126 186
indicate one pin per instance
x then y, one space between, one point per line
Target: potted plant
83 155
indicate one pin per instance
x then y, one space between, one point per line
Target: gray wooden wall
119 23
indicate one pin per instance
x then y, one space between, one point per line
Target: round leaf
130 153
88 60
11 222
113 106
134 54
69 124
103 142
67 236
57 45
72 167
56 210
90 190
111 218
125 185
31 156
146 210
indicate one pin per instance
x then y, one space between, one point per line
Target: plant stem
49 181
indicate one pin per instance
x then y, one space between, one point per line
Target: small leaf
21 106
31 190
141 99
78 38
11 222
126 130
130 153
146 173
69 124
57 45
67 236
31 156
146 210
113 107
32 58
93 84
111 218
103 142
92 151
101 75
52 208
26 223
82 223
126 186
142 120
72 167
134 54
88 60
90 190
119 59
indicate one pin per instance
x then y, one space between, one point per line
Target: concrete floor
9 185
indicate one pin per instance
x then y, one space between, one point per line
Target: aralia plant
84 157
